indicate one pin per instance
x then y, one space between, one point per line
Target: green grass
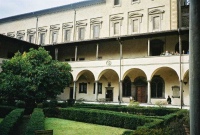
67 127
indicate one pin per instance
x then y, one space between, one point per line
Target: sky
16 7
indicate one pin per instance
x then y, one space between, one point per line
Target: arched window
157 87
126 88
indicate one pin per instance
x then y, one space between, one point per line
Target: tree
33 76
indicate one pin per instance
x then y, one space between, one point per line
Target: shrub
70 102
11 121
20 104
36 122
102 117
149 111
51 112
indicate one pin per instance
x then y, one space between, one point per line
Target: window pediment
54 27
67 25
156 11
96 21
133 15
31 31
116 18
42 29
11 34
81 23
21 33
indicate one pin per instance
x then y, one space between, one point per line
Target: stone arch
86 73
165 78
110 85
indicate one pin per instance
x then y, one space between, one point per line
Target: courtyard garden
90 119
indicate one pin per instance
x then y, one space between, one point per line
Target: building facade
117 48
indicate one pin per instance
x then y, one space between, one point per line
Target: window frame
31 40
132 25
54 36
94 31
84 86
155 13
99 88
159 80
116 5
153 23
42 38
81 33
65 33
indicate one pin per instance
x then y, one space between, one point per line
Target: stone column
74 91
149 92
149 46
76 48
96 90
120 91
97 52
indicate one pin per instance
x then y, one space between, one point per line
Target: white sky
15 7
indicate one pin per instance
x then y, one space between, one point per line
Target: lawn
67 127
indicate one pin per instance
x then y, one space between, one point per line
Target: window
116 2
31 38
126 88
20 37
81 33
99 88
42 38
116 28
156 19
82 87
135 24
67 35
176 91
96 31
156 23
54 36
157 87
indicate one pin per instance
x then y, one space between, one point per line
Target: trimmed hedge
147 111
9 124
36 122
101 117
5 110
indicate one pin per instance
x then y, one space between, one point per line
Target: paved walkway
142 104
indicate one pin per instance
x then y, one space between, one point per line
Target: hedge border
36 122
10 122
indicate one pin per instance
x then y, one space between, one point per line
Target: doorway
141 94
71 93
109 95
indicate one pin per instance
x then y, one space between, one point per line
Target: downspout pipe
194 66
120 70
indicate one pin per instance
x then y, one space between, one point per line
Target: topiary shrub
36 122
10 123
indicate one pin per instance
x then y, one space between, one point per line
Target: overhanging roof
53 10
125 37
